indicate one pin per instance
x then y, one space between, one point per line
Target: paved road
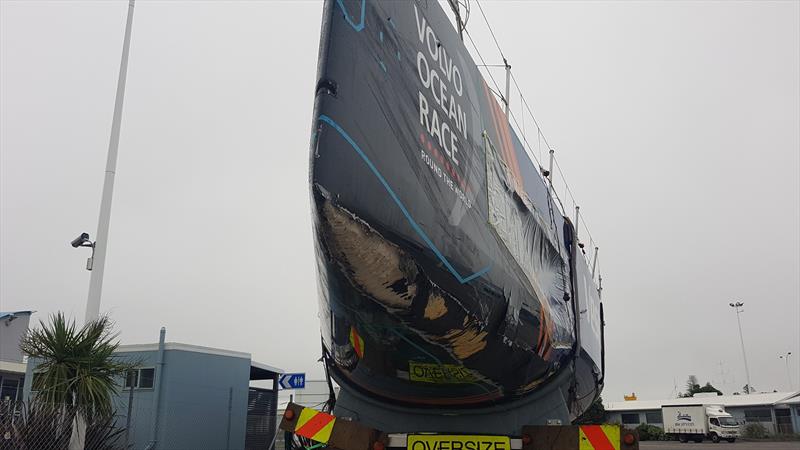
738 445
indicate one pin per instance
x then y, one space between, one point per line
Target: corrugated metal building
778 412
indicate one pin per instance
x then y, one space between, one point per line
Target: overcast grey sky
677 124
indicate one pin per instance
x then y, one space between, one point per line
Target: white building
778 412
13 325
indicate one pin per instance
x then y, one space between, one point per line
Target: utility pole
101 241
785 357
738 307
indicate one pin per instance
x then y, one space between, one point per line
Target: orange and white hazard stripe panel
599 437
315 425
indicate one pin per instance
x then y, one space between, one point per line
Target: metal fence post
274 408
130 411
230 407
288 436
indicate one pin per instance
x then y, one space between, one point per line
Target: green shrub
754 431
787 437
650 433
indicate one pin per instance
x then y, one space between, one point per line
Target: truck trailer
315 429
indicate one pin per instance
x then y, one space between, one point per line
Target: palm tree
76 369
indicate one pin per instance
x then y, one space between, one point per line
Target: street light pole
101 242
738 307
788 373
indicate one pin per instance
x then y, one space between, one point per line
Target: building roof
13 367
182 347
258 371
4 314
769 398
791 400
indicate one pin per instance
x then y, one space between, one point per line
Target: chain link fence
38 426
213 422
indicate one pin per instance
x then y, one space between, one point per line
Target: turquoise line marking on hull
402 207
356 26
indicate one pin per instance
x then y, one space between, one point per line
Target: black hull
447 276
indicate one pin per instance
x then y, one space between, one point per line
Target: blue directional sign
292 381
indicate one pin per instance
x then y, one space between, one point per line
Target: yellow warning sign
315 425
447 442
599 437
439 373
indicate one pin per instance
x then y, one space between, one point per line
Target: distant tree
691 384
693 387
594 415
708 388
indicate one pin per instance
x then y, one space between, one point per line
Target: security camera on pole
738 307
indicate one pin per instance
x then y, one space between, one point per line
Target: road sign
292 381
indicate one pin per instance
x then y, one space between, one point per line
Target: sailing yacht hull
448 277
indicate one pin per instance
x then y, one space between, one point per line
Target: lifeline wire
540 135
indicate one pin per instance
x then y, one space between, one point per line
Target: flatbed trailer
328 431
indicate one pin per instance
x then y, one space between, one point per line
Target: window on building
630 419
146 377
140 378
758 415
782 412
783 419
8 390
653 417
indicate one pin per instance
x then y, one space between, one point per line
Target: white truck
698 422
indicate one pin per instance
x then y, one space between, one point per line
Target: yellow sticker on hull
439 373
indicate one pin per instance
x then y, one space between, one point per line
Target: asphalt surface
738 445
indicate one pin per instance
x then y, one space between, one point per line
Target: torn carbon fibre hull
418 342
446 273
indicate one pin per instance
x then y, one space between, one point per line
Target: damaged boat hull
447 275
